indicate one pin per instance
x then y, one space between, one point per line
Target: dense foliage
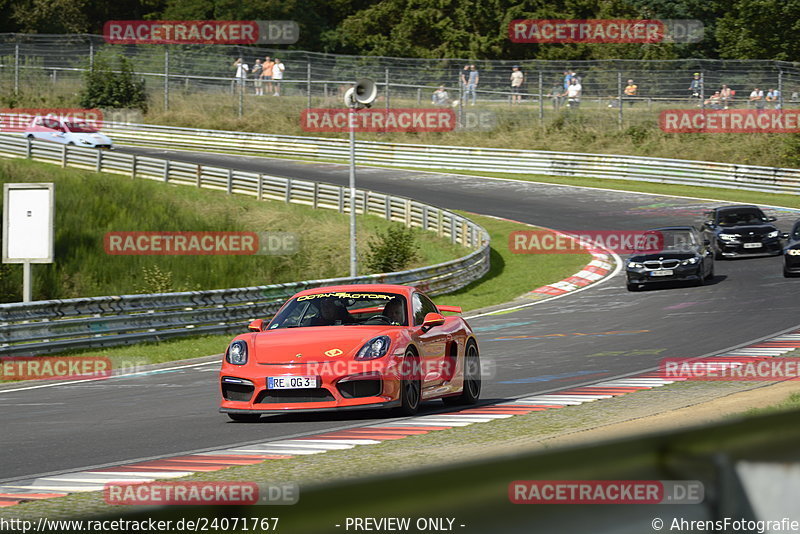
735 29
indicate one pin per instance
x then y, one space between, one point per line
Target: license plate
291 382
661 272
752 245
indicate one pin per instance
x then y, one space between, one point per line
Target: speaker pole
351 116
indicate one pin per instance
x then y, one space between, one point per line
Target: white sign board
28 213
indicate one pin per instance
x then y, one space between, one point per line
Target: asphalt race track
589 336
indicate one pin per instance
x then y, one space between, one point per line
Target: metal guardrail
612 167
56 325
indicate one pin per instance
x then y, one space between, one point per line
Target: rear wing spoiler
454 309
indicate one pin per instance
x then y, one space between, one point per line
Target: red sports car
351 347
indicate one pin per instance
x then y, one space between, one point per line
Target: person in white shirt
517 79
277 75
242 69
757 98
573 93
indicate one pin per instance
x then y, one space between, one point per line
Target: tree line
734 29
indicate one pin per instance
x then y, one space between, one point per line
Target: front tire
245 417
472 378
410 385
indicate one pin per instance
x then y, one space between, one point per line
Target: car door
432 343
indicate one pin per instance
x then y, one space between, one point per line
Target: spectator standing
241 70
517 79
757 98
565 83
774 97
278 69
696 86
257 82
440 97
795 97
462 79
573 93
266 73
630 92
726 96
472 84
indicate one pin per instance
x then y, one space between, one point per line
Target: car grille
237 392
274 396
755 238
653 265
360 388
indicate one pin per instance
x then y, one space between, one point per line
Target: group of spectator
570 90
267 74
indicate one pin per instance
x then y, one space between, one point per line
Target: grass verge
89 205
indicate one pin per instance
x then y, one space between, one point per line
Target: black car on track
742 230
791 252
680 254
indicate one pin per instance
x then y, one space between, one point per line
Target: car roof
738 206
360 288
670 228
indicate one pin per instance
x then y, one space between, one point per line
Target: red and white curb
602 265
180 466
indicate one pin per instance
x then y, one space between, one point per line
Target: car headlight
635 265
689 261
729 237
374 348
237 353
773 233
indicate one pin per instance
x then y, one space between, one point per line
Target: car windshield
663 240
80 127
342 308
741 216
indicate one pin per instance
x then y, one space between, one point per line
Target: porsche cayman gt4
351 347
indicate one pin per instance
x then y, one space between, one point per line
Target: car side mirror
771 219
256 325
431 320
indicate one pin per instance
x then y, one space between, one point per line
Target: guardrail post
364 202
133 167
464 234
452 230
387 207
99 162
440 224
260 187
424 217
408 213
29 148
341 200
230 181
63 155
288 190
315 199
166 170
199 176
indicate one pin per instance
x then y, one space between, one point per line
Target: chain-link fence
56 63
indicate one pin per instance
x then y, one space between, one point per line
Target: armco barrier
55 325
613 167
